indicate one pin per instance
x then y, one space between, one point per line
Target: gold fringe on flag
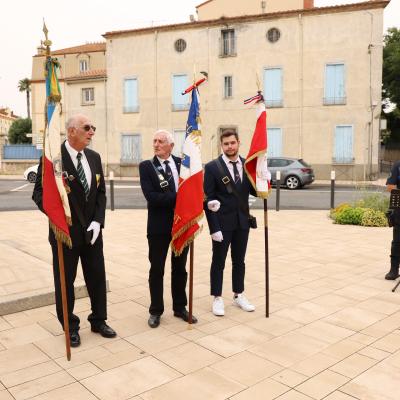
60 235
183 229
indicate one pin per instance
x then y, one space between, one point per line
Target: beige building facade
320 70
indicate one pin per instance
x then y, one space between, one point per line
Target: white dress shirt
85 164
174 170
239 166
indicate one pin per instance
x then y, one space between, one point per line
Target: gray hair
169 136
71 122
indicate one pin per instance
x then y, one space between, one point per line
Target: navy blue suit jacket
160 203
230 216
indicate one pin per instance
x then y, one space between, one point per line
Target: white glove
95 227
217 236
213 205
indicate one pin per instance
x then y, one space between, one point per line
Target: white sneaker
242 302
218 306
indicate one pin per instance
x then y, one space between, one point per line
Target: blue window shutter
274 140
273 87
343 144
131 103
179 84
131 150
334 84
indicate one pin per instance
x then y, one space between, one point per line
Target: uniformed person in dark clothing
393 182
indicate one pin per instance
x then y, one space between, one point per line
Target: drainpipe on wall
372 104
106 125
156 74
301 85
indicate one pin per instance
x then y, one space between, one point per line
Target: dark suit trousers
395 249
92 261
158 249
237 239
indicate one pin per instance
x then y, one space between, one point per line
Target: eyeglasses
87 128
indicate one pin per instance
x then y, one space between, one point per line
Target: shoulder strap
163 182
230 188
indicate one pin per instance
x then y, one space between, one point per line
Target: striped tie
82 175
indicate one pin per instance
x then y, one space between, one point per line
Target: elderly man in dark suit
159 179
228 219
87 201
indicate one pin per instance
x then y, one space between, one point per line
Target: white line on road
124 187
20 187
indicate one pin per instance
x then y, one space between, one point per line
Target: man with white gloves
227 190
84 177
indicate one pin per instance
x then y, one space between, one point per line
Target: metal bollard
332 189
112 190
278 190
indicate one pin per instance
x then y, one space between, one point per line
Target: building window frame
337 98
228 86
273 35
133 160
278 152
135 108
180 45
177 151
274 101
228 43
83 65
185 103
347 159
87 96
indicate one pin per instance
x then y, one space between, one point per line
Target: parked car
295 172
30 173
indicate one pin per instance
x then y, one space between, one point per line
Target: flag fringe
61 235
184 229
263 195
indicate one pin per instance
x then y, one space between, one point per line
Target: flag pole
191 249
60 252
266 258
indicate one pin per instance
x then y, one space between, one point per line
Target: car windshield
301 161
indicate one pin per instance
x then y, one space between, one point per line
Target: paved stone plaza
333 332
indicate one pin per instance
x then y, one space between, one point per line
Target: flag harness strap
164 185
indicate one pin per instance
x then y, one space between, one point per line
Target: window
343 145
179 84
273 35
334 84
87 96
228 43
273 87
83 65
274 140
180 45
179 137
227 87
131 148
131 102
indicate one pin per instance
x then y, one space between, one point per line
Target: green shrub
373 218
349 216
375 201
338 209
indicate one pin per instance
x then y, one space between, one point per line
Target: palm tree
24 85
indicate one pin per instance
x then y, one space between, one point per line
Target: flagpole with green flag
55 198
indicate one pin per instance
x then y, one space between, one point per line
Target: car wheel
32 177
292 182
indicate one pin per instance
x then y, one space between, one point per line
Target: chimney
308 4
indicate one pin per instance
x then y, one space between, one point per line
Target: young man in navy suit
159 179
87 200
228 219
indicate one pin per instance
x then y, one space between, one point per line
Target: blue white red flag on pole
190 195
256 165
55 198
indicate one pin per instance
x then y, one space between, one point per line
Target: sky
77 22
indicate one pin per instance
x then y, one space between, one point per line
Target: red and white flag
256 166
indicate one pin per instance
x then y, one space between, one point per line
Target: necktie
170 177
235 172
81 173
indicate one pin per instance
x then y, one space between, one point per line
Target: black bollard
332 190
278 190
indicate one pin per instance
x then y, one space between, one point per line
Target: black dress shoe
392 275
154 321
74 339
104 330
184 314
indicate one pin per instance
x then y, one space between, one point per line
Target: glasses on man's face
87 128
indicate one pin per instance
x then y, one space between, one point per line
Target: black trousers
158 249
237 240
395 249
92 260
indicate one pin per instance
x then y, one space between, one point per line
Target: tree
391 66
18 130
24 85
